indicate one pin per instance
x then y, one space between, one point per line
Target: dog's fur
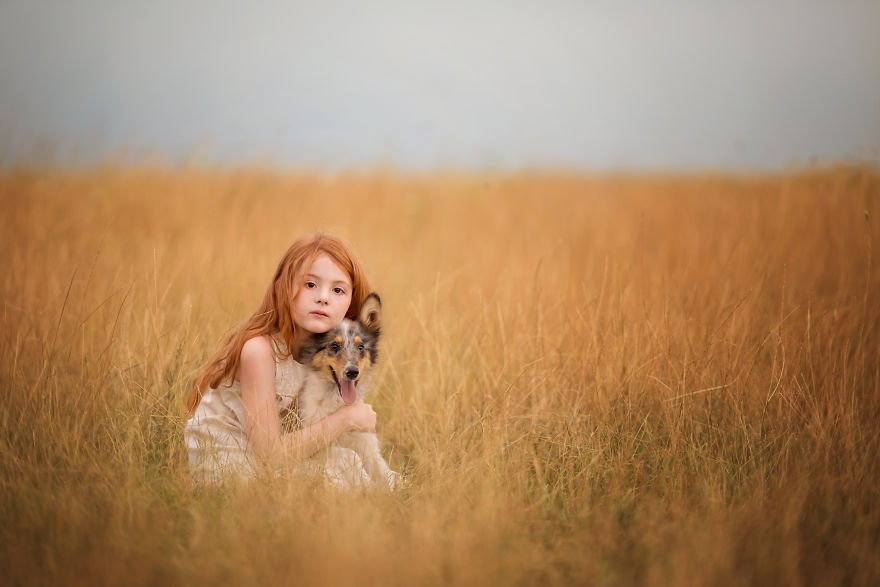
341 361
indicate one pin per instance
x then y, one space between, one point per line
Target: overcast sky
588 85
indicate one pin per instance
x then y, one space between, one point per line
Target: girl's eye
338 290
310 285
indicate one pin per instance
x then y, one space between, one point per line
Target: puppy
341 362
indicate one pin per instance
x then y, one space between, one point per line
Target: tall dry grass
586 379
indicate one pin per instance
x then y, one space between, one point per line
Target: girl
238 400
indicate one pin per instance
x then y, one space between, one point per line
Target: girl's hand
360 417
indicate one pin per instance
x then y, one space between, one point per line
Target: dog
341 362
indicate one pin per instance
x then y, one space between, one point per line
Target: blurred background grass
587 379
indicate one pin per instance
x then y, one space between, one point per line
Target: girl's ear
371 312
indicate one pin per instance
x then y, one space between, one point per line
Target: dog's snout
351 372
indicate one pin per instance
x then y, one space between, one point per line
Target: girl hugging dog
291 380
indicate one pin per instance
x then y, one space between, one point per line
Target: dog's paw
395 481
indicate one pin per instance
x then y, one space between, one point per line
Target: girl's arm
257 376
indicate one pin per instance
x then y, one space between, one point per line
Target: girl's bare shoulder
257 357
258 348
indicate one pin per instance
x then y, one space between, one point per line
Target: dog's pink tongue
346 388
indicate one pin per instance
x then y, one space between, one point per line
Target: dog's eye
334 347
361 348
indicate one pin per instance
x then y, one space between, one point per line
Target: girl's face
323 298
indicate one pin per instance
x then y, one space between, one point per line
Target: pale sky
589 85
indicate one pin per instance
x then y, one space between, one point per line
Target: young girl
237 401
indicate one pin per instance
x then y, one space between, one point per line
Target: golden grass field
586 379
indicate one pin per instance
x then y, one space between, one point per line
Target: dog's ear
371 313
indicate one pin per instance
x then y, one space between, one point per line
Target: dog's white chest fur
319 398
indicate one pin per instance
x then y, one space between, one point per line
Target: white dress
216 435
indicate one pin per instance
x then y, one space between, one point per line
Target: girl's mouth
319 314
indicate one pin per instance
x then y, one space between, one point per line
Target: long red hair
274 314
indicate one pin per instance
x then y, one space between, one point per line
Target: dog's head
345 354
